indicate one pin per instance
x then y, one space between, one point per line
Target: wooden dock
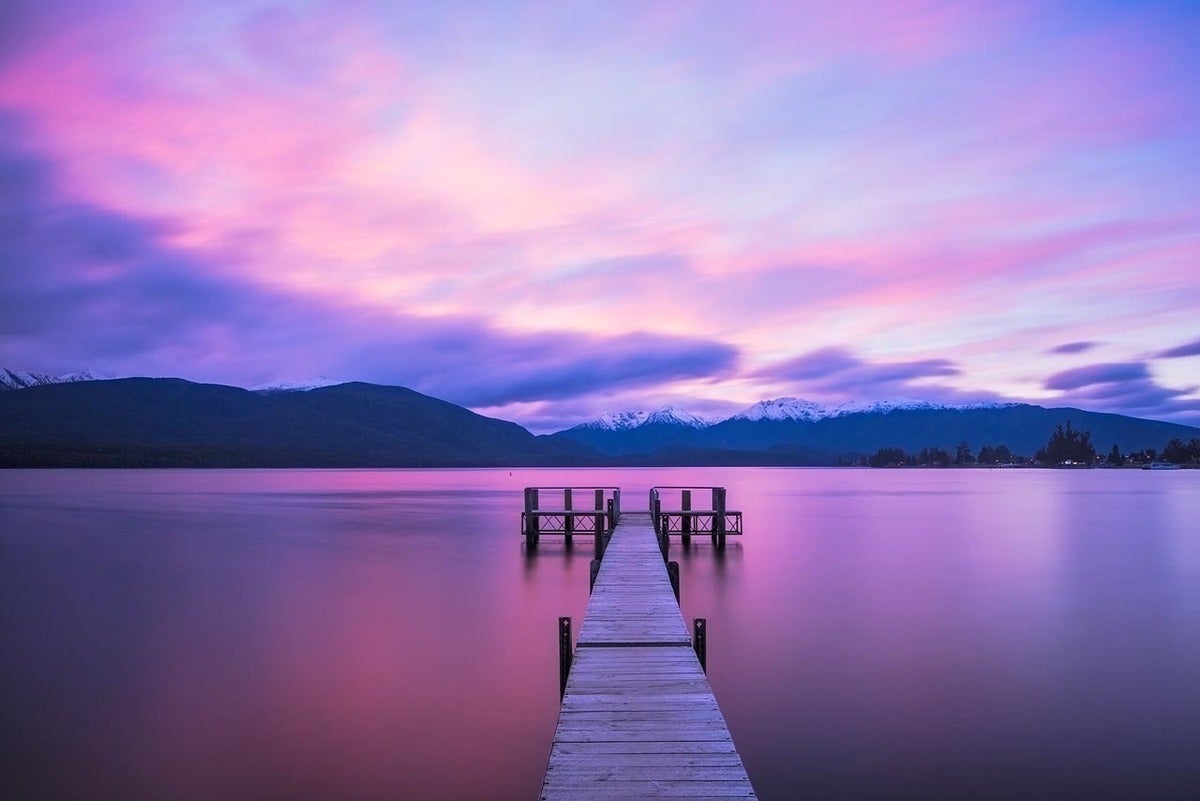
638 716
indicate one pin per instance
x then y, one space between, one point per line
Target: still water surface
383 634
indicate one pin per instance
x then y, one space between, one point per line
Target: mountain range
78 420
816 434
14 379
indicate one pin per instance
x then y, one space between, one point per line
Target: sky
549 210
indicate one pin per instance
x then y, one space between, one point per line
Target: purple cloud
471 363
1074 347
814 364
1187 349
86 286
838 369
1125 388
836 373
1078 377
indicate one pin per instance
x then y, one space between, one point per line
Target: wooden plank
565 760
639 719
633 773
650 789
658 700
659 747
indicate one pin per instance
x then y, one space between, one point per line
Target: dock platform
638 716
687 520
568 519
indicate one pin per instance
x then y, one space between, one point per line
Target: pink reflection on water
354 634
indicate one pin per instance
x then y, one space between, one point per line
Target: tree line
1174 452
939 457
1067 446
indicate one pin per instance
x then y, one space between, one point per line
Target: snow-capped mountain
19 379
783 409
297 386
806 429
617 421
672 415
668 415
892 404
811 411
775 409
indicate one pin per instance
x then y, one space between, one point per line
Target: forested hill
172 422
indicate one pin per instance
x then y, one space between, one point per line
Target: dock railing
674 511
568 511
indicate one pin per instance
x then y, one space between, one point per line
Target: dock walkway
638 717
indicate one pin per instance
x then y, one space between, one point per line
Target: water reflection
361 634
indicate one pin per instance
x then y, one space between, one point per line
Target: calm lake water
383 634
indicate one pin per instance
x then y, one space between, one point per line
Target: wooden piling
700 641
598 524
564 654
685 522
568 518
530 519
718 524
535 520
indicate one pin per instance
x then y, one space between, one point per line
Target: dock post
525 517
699 641
673 575
613 516
718 526
534 520
600 540
598 524
568 518
616 518
664 537
656 512
685 523
564 654
530 519
593 571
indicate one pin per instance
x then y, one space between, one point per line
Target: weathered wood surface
632 601
639 719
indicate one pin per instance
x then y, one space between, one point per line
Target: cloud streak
1180 351
111 290
1074 347
1126 387
838 373
1079 377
